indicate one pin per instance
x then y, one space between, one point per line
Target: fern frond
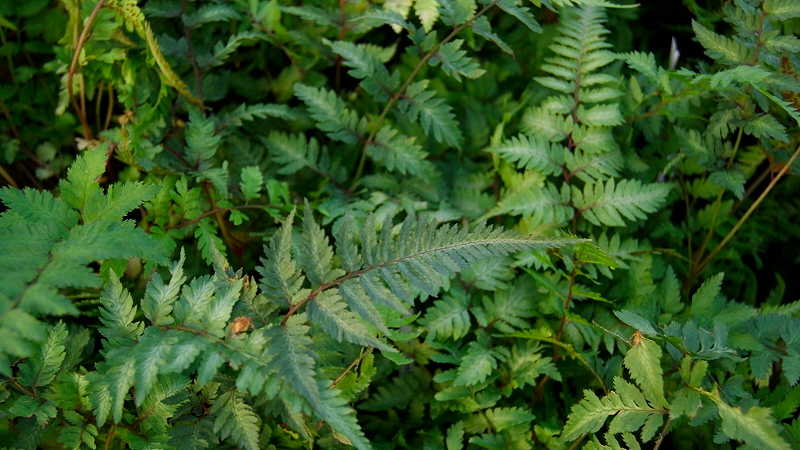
331 113
531 152
612 202
626 403
455 62
295 152
448 318
235 419
43 367
542 204
435 116
398 153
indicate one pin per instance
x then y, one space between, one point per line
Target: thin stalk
704 263
74 69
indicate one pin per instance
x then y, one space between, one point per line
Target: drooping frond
44 247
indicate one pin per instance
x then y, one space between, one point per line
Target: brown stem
110 110
663 433
704 263
347 370
73 69
7 176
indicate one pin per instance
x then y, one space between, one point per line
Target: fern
56 252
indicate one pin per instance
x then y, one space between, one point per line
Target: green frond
503 418
643 361
224 50
333 408
455 62
281 280
427 11
720 47
626 404
210 13
202 141
613 202
448 318
117 315
435 116
782 9
521 13
755 427
294 152
541 204
293 359
398 153
251 182
159 297
236 420
591 167
43 367
331 113
478 363
531 152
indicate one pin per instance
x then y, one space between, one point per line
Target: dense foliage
438 224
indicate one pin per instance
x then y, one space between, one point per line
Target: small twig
73 67
110 110
347 370
663 433
7 176
746 215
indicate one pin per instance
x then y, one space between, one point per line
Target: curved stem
704 263
73 67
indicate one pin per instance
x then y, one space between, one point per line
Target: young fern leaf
435 116
611 202
331 114
295 152
43 367
235 419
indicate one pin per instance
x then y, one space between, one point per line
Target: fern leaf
117 314
315 253
477 364
338 414
643 361
531 152
504 418
224 50
755 427
158 298
80 187
251 182
201 139
782 9
448 317
209 14
43 367
483 28
398 153
281 278
236 420
329 311
293 358
435 116
331 114
521 13
427 11
626 402
455 62
721 47
612 202
540 204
